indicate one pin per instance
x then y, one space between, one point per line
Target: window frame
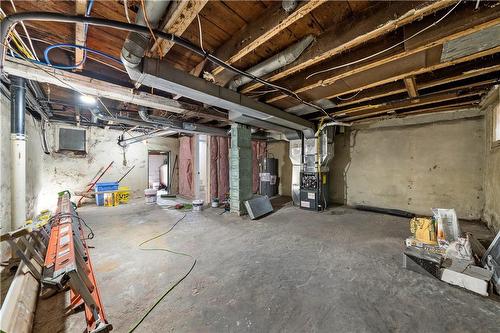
495 126
66 151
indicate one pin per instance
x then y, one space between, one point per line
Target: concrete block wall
240 168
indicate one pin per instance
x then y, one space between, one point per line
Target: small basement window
72 140
496 126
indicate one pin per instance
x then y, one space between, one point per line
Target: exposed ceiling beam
80 33
411 86
260 31
180 15
359 31
369 110
102 89
461 24
453 107
421 71
395 88
373 97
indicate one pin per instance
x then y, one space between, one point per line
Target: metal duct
136 44
125 142
161 75
275 62
180 126
124 120
289 5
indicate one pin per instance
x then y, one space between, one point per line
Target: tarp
186 186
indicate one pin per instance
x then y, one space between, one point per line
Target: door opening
159 169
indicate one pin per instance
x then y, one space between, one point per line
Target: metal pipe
277 61
136 44
18 150
180 126
289 5
17 107
123 120
125 142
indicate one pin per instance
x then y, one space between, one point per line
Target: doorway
201 166
159 176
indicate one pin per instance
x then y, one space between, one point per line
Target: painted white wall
63 171
413 168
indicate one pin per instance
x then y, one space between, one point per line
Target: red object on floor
67 262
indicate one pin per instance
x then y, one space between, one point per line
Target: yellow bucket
123 194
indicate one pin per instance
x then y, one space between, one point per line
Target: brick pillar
240 168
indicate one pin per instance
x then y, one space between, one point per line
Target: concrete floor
293 271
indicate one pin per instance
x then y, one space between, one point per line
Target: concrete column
18 150
240 168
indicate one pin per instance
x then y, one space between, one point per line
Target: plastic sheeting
259 149
186 186
219 167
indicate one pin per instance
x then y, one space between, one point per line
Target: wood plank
394 88
457 28
371 110
449 108
86 85
180 15
358 31
260 31
80 33
411 86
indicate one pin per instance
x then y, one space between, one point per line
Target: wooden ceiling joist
102 89
407 103
260 31
411 86
358 31
180 15
461 24
453 107
80 33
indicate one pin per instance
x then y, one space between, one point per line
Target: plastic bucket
150 195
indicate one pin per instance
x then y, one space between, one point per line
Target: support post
18 150
241 168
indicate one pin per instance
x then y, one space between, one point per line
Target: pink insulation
223 174
186 186
219 167
214 158
258 153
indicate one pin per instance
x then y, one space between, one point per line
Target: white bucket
197 205
150 195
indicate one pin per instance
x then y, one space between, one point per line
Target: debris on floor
436 248
258 206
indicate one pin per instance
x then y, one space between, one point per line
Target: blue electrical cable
87 49
84 47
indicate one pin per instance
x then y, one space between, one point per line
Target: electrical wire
350 97
389 48
87 49
90 235
56 17
150 29
25 31
200 31
41 67
71 50
125 6
151 308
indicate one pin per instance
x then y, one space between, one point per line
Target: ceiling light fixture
88 100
